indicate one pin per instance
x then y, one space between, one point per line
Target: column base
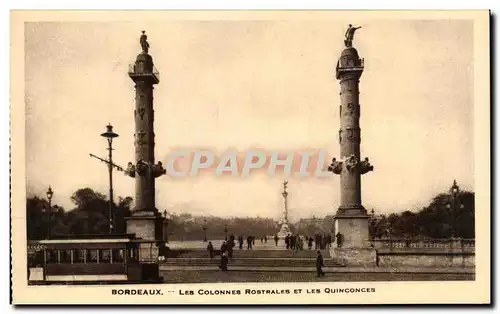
355 257
146 225
351 210
353 230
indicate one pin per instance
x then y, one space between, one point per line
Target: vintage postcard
250 157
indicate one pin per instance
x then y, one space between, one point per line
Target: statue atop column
144 42
349 35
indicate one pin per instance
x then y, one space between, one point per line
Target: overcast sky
245 84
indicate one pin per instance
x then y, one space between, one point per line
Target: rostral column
146 221
351 219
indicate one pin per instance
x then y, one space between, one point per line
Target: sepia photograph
219 156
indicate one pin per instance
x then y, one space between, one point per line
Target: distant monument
351 219
285 229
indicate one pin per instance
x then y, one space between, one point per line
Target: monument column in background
285 229
351 219
146 221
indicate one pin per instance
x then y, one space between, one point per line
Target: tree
440 219
122 210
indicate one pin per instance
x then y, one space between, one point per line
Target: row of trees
90 216
439 219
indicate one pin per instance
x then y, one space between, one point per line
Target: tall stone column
351 219
146 221
285 229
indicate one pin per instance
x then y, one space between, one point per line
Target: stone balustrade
432 245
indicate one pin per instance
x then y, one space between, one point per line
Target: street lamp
166 218
204 230
453 206
110 135
372 223
50 193
225 232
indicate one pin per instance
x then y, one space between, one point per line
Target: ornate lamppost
50 193
110 135
204 230
166 218
454 205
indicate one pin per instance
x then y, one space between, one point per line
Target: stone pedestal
356 257
354 230
355 250
284 231
147 227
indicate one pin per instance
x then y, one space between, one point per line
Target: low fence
424 245
454 252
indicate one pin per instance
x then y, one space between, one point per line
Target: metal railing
133 70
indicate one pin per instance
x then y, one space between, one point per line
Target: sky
244 84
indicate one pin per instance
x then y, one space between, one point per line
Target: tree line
90 216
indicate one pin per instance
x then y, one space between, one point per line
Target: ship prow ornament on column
146 221
351 219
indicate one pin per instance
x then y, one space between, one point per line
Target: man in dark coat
292 241
210 249
338 236
240 241
287 241
319 265
310 242
223 262
276 239
230 247
223 247
249 243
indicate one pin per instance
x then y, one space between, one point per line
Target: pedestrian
319 265
240 241
223 262
210 249
287 241
292 241
276 239
310 244
265 238
230 247
249 243
340 239
223 247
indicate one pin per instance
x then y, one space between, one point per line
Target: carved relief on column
353 135
140 113
344 89
140 138
353 109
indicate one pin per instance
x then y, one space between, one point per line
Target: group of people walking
292 242
320 242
